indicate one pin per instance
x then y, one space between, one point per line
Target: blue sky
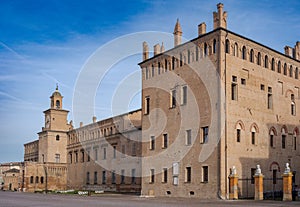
47 42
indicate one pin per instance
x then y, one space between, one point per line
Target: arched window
273 64
37 179
57 137
227 46
251 56
266 61
293 105
272 134
158 67
296 73
42 179
296 132
166 65
279 67
152 74
239 129
180 59
285 69
283 137
244 53
253 135
258 58
197 53
235 52
57 104
146 73
214 46
31 179
189 56
291 71
205 49
173 63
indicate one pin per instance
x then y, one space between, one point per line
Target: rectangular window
104 153
204 135
270 102
295 143
82 156
103 177
271 140
88 178
262 87
253 137
146 73
253 170
147 105
184 95
132 176
96 154
57 158
115 152
205 174
152 142
123 150
238 135
274 177
95 177
152 176
188 137
88 156
283 138
173 99
122 176
133 149
233 91
70 155
188 174
234 88
76 157
113 177
165 175
243 81
175 168
165 140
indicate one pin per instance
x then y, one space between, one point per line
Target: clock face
47 123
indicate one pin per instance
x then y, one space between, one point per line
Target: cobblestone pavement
17 199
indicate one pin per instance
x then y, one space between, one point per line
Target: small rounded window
57 137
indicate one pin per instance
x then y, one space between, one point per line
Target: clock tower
53 137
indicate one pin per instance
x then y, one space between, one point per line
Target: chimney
177 34
94 119
297 51
81 124
201 29
220 17
162 48
156 49
145 51
288 51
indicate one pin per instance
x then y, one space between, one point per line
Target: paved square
16 199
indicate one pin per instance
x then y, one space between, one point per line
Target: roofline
218 29
130 112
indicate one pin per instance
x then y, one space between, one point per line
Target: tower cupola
56 99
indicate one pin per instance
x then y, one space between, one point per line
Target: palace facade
217 101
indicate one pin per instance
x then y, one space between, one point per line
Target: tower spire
177 33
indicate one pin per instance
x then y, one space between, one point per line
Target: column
287 183
233 184
259 184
